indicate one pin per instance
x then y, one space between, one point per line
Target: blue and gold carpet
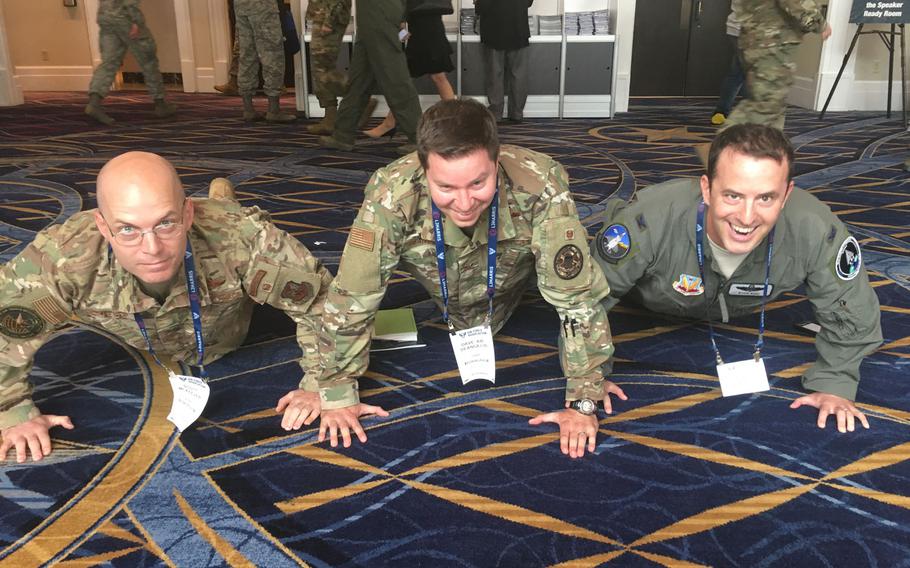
456 476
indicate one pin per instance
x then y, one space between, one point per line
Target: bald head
136 174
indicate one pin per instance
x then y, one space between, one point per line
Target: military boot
164 109
221 188
331 142
274 113
229 89
94 110
249 112
325 126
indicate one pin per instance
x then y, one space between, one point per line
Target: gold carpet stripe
719 516
87 509
324 455
895 309
889 412
500 405
903 342
667 561
509 512
97 559
150 543
877 460
793 372
306 502
665 407
492 451
504 364
113 531
590 561
682 375
230 554
705 454
525 342
633 335
887 498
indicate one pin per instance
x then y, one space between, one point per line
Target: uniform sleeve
285 275
806 13
31 309
570 281
847 310
370 255
622 249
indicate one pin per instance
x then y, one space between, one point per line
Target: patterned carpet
455 476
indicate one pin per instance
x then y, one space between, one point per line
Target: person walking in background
771 33
258 33
735 78
428 53
122 26
329 19
504 33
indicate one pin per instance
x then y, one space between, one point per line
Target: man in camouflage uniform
771 33
459 167
329 19
122 26
647 250
101 267
257 27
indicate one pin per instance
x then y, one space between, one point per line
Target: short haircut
753 140
455 128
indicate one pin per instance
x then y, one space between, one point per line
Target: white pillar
10 93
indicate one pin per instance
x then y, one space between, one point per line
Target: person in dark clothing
504 33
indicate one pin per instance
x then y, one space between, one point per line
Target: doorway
679 48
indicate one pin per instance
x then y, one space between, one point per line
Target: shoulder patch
568 262
297 292
613 243
19 322
362 238
849 259
50 310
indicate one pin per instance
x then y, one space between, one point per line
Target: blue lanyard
492 240
189 267
700 254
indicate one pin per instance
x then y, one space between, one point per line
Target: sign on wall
880 12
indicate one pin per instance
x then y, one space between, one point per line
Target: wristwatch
585 405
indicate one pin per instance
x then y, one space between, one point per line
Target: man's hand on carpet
300 408
575 430
344 420
827 404
32 435
612 388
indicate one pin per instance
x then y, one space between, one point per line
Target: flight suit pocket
564 255
359 271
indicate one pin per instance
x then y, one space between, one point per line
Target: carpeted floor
456 476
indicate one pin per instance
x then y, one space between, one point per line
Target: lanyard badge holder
739 377
473 347
190 393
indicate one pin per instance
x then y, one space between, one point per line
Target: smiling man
128 266
457 210
756 231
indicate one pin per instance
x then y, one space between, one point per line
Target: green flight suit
539 239
68 275
659 271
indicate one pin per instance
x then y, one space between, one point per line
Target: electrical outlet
876 66
45 56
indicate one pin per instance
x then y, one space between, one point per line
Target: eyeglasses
131 236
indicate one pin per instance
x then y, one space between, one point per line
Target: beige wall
872 56
46 34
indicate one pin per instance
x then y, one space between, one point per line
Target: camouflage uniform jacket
539 237
659 270
117 11
68 275
770 23
330 13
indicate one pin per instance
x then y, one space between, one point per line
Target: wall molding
802 93
54 78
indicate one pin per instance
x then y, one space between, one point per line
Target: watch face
585 406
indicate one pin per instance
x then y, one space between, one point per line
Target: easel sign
893 12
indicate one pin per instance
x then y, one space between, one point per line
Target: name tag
749 289
190 397
474 354
743 377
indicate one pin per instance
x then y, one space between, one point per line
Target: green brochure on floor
395 329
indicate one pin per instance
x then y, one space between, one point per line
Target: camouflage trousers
329 83
259 40
114 40
769 76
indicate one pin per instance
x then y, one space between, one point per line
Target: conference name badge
474 354
190 397
743 377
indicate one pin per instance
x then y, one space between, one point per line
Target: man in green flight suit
133 260
648 251
442 198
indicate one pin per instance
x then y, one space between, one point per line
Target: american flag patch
362 238
50 310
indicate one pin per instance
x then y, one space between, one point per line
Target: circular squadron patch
613 243
849 259
20 323
568 262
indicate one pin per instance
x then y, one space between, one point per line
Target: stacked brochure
394 329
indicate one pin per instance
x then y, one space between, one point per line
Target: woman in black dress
429 53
